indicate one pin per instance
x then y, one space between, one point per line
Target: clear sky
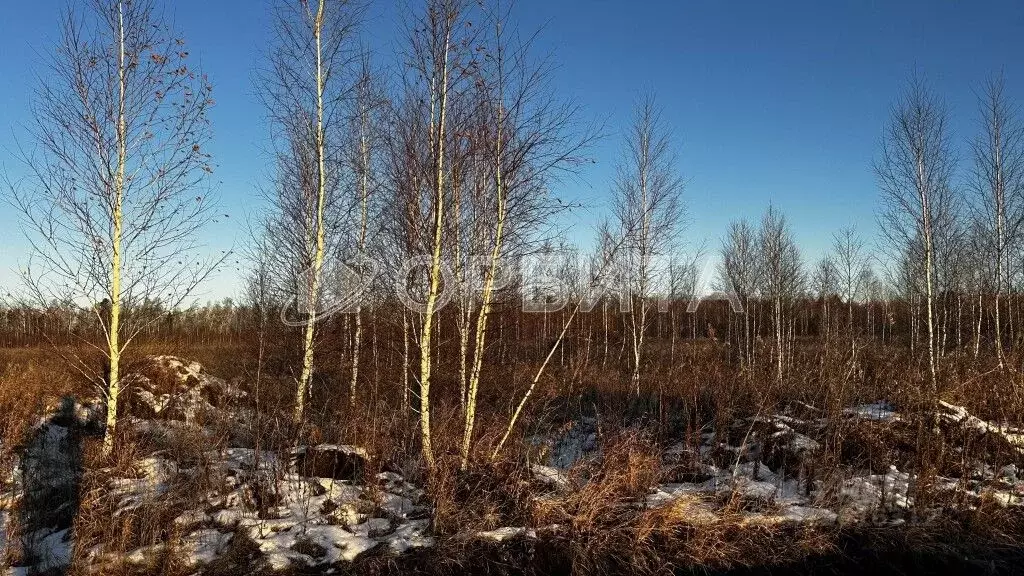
780 102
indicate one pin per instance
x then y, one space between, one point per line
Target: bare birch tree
998 184
526 136
850 263
115 195
439 65
914 172
783 277
363 150
826 280
740 272
305 91
647 191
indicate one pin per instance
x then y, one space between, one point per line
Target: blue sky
780 102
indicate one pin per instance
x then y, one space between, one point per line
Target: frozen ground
732 477
315 507
294 520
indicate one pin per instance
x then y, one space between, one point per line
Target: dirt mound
170 388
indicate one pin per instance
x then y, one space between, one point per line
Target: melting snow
880 411
316 522
507 533
959 415
549 475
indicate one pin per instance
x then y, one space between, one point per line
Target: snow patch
880 411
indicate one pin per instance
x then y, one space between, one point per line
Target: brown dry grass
601 527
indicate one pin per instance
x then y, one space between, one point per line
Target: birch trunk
440 102
313 294
486 297
114 330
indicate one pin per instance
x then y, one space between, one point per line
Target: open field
736 289
715 466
